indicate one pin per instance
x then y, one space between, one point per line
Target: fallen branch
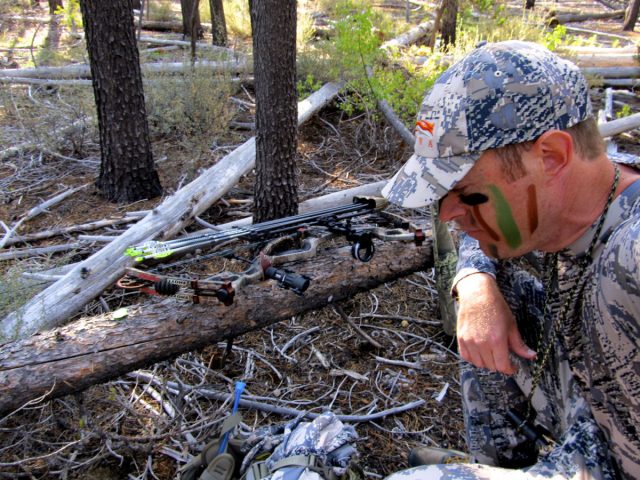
620 125
93 350
621 82
34 252
32 237
562 18
83 71
613 72
247 402
35 211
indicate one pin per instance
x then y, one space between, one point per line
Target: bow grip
291 281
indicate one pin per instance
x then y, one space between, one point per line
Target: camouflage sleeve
616 336
471 260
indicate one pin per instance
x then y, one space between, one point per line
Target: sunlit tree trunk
218 23
448 21
127 171
54 5
274 55
189 23
631 16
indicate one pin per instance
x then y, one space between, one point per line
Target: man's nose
450 208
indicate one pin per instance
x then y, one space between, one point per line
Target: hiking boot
435 456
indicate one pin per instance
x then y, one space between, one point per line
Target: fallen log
613 72
590 60
562 18
239 65
94 350
632 83
84 227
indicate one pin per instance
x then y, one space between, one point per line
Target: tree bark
218 23
54 5
449 21
95 350
127 170
187 7
273 25
631 16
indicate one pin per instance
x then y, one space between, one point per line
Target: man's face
502 214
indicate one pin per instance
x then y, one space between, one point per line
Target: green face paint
504 217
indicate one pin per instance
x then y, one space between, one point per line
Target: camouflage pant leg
557 403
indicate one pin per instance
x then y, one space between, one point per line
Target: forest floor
129 428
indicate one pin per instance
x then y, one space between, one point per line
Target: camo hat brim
500 94
424 180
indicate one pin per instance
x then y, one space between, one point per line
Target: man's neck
588 187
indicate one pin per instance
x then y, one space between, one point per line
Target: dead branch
35 211
33 252
239 65
613 72
92 350
562 18
55 232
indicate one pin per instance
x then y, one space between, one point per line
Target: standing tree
273 24
449 19
631 16
218 23
127 171
54 5
191 19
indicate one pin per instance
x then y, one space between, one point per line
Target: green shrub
191 106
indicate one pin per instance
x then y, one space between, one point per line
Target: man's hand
487 329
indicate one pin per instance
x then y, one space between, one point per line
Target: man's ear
555 148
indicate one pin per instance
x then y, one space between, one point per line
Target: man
548 269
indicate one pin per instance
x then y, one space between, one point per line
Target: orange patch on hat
424 125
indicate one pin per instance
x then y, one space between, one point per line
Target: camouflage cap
500 94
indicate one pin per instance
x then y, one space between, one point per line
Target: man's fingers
502 361
518 346
470 355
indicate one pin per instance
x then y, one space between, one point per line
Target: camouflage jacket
602 338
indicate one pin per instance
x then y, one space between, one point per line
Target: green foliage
625 111
162 11
71 15
307 86
556 37
356 42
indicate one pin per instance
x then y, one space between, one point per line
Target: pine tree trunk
187 7
54 5
631 16
274 55
218 23
449 18
127 171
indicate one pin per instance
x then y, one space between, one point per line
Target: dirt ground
136 428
